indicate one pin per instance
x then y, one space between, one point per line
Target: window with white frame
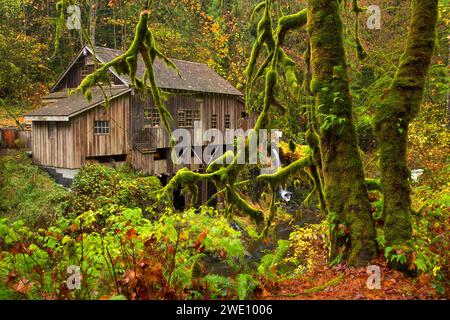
101 127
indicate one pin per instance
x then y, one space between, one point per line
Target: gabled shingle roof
194 76
72 105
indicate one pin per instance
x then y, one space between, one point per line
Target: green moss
234 198
271 81
282 175
143 44
290 22
394 115
223 172
257 9
343 175
359 47
373 184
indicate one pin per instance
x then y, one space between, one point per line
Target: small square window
186 118
152 115
214 121
227 121
101 127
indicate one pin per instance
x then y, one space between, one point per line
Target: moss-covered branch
234 198
282 175
223 171
144 45
288 23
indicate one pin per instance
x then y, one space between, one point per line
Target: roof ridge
174 59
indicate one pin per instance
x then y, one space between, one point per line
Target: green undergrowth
28 193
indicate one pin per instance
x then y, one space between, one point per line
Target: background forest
129 242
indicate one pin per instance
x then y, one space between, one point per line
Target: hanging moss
223 172
144 45
61 7
394 115
265 37
282 175
271 81
258 9
290 22
362 54
234 198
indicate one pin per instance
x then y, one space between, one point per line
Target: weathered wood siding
68 144
143 161
73 77
52 144
151 138
24 137
89 145
221 106
146 163
208 105
13 137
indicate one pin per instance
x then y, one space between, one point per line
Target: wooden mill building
68 130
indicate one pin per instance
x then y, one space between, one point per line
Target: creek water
256 248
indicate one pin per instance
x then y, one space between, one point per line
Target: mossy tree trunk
395 114
353 231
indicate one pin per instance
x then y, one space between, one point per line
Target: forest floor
344 283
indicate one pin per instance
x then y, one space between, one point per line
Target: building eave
48 118
67 117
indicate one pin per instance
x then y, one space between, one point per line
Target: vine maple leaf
23 286
112 3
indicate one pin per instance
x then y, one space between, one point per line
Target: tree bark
93 6
353 231
394 115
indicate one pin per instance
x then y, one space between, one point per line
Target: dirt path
343 283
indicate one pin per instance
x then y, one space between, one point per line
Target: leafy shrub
308 246
270 262
27 193
432 236
96 186
123 254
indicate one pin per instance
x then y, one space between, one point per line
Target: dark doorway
211 190
178 200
